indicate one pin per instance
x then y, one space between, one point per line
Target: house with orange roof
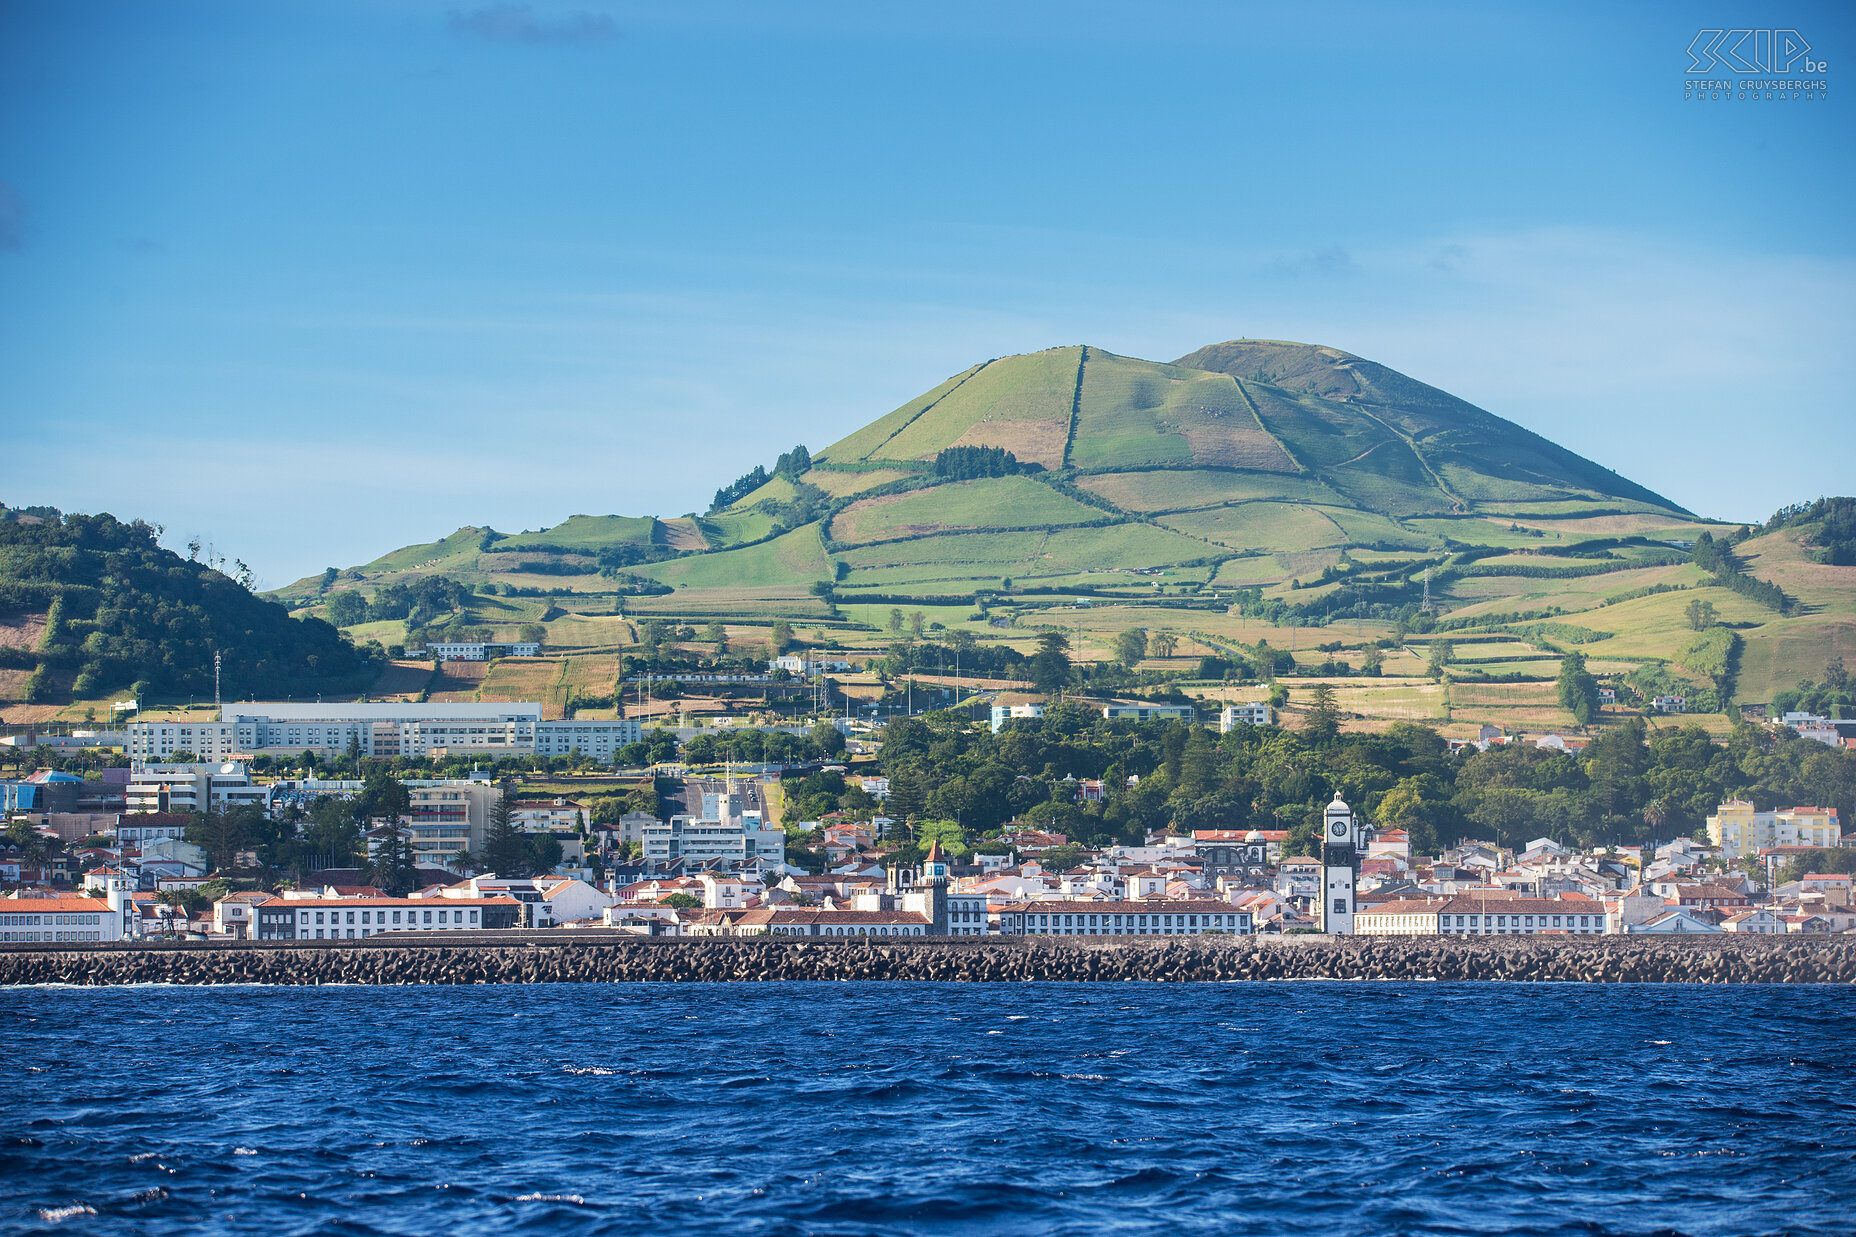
60 917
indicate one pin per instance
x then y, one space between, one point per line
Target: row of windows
52 935
379 918
1133 921
1527 921
33 921
851 930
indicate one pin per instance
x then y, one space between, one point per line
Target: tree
222 832
1578 690
917 622
392 866
717 635
1130 647
1198 764
347 608
1700 614
543 853
781 636
1050 666
829 738
532 633
1164 643
952 837
895 619
1323 721
908 794
682 902
504 848
1442 651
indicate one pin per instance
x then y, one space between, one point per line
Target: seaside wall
1638 959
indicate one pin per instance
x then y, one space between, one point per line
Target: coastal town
229 831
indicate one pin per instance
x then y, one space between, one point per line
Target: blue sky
314 281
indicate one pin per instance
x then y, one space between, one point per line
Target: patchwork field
997 502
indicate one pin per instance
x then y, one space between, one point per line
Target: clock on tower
1339 856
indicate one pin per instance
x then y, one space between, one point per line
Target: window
318 920
1340 906
351 920
473 916
428 917
396 916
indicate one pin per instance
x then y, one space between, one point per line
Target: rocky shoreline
551 959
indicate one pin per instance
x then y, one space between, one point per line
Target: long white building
381 730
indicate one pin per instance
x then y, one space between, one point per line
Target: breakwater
551 959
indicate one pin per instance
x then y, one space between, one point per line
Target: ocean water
920 1108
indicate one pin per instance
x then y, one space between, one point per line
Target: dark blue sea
919 1108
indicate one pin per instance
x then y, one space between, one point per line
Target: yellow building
1741 832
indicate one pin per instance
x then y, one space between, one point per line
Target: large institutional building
1740 831
381 730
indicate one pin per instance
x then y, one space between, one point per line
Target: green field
738 525
1020 403
1257 526
843 484
997 502
1136 413
1188 489
587 532
784 566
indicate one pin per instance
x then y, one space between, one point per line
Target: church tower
1339 855
934 888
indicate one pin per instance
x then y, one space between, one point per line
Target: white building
810 667
65 918
381 730
475 651
357 918
1471 914
743 839
546 901
1003 713
1256 713
192 788
1137 917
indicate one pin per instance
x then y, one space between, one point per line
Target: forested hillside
90 605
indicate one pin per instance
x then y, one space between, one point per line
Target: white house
1256 713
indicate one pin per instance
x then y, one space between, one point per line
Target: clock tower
1339 857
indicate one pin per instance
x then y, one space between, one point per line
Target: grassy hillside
1022 403
963 506
1473 453
1296 492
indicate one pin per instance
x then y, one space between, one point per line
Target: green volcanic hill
1252 463
1250 482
